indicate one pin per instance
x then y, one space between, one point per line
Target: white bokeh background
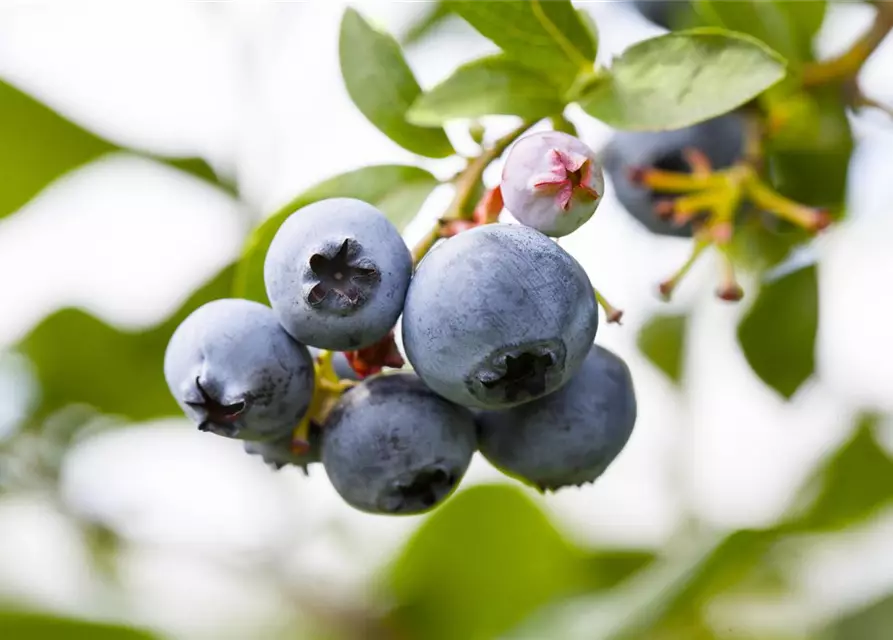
255 88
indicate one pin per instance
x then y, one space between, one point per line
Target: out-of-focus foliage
778 333
22 625
662 340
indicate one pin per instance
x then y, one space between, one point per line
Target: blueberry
278 453
660 12
336 274
721 140
391 445
569 437
236 372
552 182
497 316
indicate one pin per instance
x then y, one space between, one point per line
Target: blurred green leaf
546 35
682 78
809 152
495 85
79 359
788 27
383 87
664 601
872 622
37 146
480 564
591 26
26 625
608 568
434 14
851 486
778 333
662 340
398 190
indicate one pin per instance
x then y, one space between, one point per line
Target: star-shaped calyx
569 175
342 280
525 375
219 418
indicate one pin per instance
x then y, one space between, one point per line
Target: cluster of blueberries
497 324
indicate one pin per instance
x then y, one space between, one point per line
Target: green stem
466 182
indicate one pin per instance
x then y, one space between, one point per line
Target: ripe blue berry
660 12
336 274
569 437
236 372
497 316
393 446
721 140
552 182
279 453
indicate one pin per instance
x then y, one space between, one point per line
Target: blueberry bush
332 342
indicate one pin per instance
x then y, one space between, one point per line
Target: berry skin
236 372
570 437
393 446
279 453
721 140
660 12
552 182
336 274
497 316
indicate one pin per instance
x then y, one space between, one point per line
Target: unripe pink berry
552 182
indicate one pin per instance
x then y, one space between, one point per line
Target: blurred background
137 520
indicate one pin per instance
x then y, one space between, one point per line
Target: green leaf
662 340
383 87
809 154
435 13
495 85
37 146
398 190
682 78
777 334
79 359
479 565
852 485
546 35
872 622
788 27
45 626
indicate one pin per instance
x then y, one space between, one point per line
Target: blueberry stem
612 313
848 64
667 287
327 389
466 182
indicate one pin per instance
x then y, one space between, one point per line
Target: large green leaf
662 340
872 622
852 485
479 565
778 333
546 35
788 27
495 85
682 78
22 625
79 359
383 87
398 190
37 146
